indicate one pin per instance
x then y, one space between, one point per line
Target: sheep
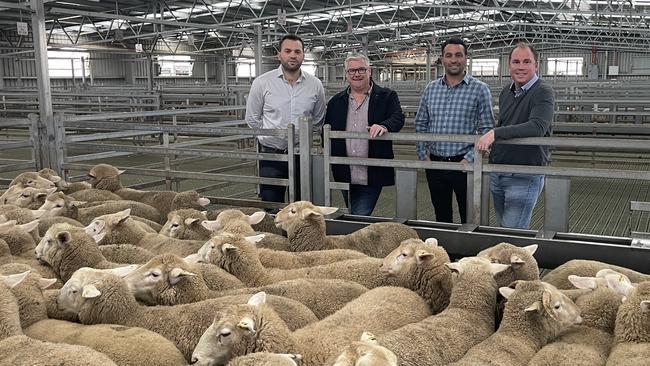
522 264
67 248
558 277
267 225
305 226
420 266
20 214
589 343
238 255
366 352
120 228
28 293
254 327
20 350
108 300
21 243
58 204
236 222
536 312
23 222
26 197
94 195
267 359
632 330
169 280
185 224
104 176
467 321
31 263
31 179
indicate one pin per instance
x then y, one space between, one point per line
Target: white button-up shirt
274 103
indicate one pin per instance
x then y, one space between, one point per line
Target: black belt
456 158
266 149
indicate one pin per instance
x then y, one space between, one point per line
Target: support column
2 72
150 72
258 51
428 64
47 158
129 71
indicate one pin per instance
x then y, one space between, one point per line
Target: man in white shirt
276 99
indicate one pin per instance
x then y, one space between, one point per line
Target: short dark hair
524 45
454 41
291 37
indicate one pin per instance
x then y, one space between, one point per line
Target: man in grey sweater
525 110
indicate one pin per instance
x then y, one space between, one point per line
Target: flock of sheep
97 274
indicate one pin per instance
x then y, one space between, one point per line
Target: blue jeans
514 197
362 199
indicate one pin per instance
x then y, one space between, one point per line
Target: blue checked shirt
465 109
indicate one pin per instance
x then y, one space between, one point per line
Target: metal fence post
305 141
556 204
474 212
35 141
406 193
291 150
326 165
58 149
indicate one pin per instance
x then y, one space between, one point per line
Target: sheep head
299 211
31 179
83 285
523 265
53 177
189 199
104 176
233 333
476 264
159 278
105 225
181 224
414 255
233 220
59 204
224 250
26 197
366 352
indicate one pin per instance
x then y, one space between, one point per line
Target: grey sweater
530 115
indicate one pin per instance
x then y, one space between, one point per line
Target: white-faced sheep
107 177
521 263
169 280
31 179
19 350
21 243
588 343
26 197
632 329
120 228
305 226
254 327
468 320
30 263
267 225
108 300
67 248
366 352
61 184
58 204
238 255
185 224
420 266
236 222
535 313
278 258
559 277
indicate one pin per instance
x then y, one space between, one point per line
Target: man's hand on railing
377 130
485 142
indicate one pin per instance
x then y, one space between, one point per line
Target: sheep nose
194 360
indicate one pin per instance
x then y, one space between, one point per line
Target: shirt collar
526 86
367 91
280 74
466 79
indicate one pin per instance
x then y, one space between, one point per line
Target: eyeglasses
360 71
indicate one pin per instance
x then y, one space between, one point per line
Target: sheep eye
225 333
401 256
29 182
292 211
24 195
174 225
494 260
154 274
58 206
557 306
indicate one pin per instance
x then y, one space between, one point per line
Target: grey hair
357 57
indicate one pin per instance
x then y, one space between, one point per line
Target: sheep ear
257 299
645 306
190 221
13 280
227 247
44 283
30 226
98 237
531 249
368 337
256 217
247 323
8 224
255 238
583 282
120 172
50 190
516 261
535 307
193 258
54 178
124 271
211 225
37 213
90 292
177 274
620 283
431 241
64 237
325 210
506 292
422 256
77 203
455 267
308 213
498 268
603 273
42 194
203 201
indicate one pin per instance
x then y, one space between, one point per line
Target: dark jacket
384 109
530 115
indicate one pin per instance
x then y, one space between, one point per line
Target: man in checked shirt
459 104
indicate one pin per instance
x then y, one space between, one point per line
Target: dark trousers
442 183
361 200
277 169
